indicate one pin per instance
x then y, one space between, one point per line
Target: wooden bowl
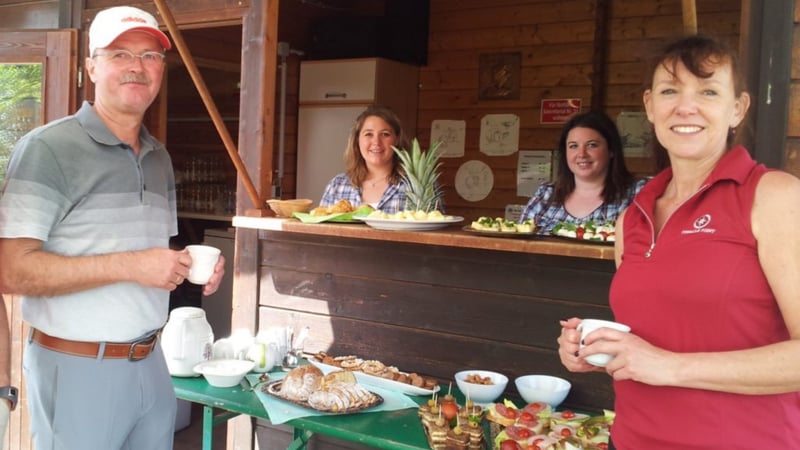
285 208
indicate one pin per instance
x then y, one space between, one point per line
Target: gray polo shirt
81 191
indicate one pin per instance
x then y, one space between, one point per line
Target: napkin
281 411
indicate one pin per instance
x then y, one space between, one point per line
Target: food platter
372 380
590 231
274 389
409 225
343 217
502 234
340 218
583 241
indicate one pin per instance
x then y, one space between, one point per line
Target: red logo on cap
133 19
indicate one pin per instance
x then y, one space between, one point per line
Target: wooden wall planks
555 39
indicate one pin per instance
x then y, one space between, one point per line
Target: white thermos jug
186 340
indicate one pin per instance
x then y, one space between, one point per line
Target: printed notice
533 169
451 134
559 110
636 133
513 212
499 134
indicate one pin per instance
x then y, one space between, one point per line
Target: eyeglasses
125 58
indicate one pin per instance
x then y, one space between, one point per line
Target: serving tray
372 380
274 389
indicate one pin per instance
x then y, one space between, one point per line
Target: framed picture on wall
499 77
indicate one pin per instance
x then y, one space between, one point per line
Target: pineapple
421 175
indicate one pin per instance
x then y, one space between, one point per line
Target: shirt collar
735 165
99 132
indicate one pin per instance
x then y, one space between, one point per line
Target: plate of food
382 376
336 393
409 220
499 227
590 232
341 212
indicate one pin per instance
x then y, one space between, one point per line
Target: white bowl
543 388
224 372
482 394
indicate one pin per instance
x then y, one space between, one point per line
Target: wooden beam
208 101
689 17
599 67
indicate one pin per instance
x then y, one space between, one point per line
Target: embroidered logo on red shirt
701 225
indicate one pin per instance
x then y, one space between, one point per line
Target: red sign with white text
559 110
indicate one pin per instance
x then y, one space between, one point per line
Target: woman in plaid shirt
372 173
592 182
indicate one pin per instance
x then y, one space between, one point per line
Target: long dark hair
618 178
700 55
355 165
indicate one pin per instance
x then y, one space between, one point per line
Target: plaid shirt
392 201
546 218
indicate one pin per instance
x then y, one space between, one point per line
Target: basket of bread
337 392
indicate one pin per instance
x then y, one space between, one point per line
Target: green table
400 430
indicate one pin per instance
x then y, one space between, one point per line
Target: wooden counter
433 302
450 237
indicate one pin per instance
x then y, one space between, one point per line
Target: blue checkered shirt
392 201
546 218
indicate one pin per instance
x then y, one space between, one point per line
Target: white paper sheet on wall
474 180
636 132
499 134
534 167
451 134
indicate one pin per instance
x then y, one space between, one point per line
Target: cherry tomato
449 411
518 433
565 432
510 444
568 414
527 420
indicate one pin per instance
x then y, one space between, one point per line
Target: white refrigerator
332 95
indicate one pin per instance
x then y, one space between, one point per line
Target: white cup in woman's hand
204 259
587 326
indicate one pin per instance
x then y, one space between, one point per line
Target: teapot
186 340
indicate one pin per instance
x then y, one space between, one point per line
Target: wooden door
56 53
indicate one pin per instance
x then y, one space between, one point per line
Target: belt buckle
147 340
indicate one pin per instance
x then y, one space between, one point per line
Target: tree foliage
18 83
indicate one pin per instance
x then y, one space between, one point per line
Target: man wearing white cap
86 214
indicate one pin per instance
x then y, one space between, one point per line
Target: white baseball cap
110 23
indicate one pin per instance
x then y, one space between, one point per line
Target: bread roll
300 382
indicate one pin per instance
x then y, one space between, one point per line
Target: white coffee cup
587 326
204 259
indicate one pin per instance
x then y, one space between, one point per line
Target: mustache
137 78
